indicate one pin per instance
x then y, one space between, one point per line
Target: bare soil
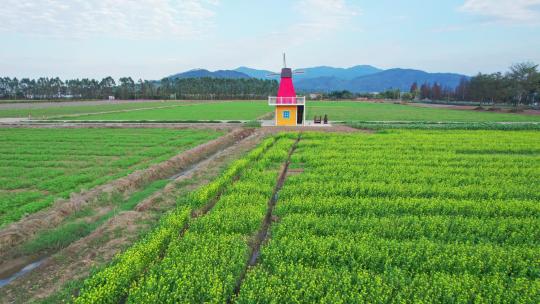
266 116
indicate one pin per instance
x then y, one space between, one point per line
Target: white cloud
510 11
313 21
114 18
323 16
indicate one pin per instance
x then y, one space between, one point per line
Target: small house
290 109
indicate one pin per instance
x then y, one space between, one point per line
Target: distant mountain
358 79
377 82
321 84
200 73
316 72
254 73
401 79
341 73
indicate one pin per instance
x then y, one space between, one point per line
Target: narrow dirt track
119 125
332 129
44 105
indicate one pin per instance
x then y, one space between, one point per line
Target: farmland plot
221 110
38 166
38 111
367 111
406 217
396 216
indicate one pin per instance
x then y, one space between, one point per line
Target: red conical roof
286 87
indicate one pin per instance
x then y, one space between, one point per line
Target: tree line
519 86
127 88
347 95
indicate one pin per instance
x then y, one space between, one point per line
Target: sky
151 39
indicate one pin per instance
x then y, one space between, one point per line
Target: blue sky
150 39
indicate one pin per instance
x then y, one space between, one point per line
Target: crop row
178 269
372 233
468 230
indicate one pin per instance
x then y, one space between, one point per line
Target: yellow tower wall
281 120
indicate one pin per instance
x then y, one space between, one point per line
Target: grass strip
77 227
445 125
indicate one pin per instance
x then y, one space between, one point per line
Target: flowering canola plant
406 216
396 216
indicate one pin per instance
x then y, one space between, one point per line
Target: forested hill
201 73
357 79
389 79
317 72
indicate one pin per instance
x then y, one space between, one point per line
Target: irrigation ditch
14 236
263 233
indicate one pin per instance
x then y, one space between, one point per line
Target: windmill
290 109
284 67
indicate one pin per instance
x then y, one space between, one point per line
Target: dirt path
118 125
117 111
75 261
441 106
320 128
183 104
43 105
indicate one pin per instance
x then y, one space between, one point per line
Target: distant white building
315 96
111 97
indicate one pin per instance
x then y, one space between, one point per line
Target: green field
391 217
38 166
406 216
237 110
364 111
250 110
62 109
